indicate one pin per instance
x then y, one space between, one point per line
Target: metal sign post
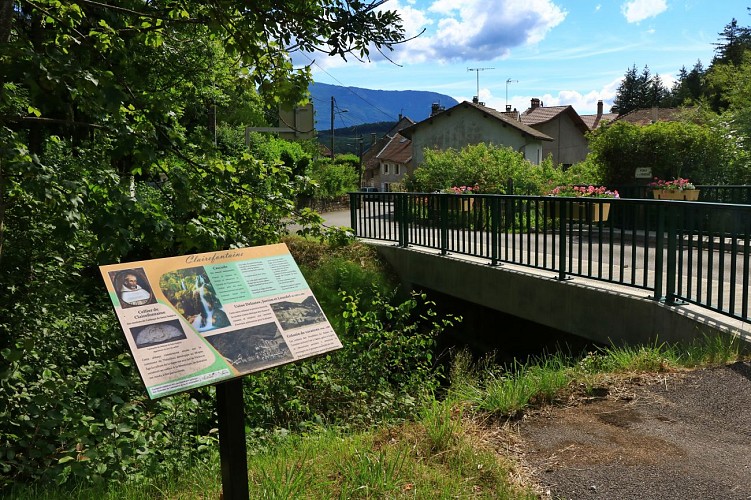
232 451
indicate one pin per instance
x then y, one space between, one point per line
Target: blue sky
561 51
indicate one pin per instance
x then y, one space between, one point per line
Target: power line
386 113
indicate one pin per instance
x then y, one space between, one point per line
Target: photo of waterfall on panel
190 292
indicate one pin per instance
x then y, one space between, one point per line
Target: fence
696 252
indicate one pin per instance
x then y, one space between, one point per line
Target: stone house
565 126
388 159
469 123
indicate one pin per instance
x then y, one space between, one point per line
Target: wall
380 179
571 306
465 126
569 147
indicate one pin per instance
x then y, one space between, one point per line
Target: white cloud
584 104
474 30
639 10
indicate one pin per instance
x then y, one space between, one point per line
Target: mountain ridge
356 105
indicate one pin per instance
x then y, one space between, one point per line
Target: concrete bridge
608 285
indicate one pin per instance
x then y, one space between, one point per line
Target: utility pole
477 70
509 80
359 166
332 127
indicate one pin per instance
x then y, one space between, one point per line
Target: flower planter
671 194
586 212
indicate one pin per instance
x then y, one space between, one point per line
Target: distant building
648 116
388 159
601 118
469 123
565 126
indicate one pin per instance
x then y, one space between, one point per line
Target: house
595 121
565 126
473 123
388 159
648 116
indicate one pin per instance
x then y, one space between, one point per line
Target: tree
639 91
735 40
689 87
121 138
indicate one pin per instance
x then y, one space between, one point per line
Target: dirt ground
674 436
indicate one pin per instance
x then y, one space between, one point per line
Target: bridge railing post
672 236
443 204
495 223
659 249
353 206
402 218
563 238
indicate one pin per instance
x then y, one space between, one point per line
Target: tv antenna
507 82
477 70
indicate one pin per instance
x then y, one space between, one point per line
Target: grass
441 454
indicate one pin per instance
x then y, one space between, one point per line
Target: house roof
398 150
542 114
493 113
404 122
594 121
391 147
647 116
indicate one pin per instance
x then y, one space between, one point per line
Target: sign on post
197 320
643 173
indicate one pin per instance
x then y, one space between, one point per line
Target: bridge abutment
594 310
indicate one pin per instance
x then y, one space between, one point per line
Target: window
396 169
385 168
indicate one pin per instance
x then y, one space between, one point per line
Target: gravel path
677 436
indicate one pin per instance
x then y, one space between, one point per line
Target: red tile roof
398 150
544 114
594 121
647 116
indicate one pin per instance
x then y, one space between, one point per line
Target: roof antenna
509 80
477 70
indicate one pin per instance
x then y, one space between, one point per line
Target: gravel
676 436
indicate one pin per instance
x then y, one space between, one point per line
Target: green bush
386 364
494 170
333 179
670 149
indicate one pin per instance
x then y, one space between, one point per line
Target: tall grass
438 455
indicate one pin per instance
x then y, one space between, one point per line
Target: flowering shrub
583 192
463 189
678 184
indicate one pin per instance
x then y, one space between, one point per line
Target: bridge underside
593 310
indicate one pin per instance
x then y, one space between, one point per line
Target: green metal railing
679 251
713 194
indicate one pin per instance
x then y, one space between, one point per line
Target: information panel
195 320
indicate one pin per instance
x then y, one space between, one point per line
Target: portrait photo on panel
132 287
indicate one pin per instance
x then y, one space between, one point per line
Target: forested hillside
355 106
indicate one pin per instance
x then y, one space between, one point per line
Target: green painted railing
680 251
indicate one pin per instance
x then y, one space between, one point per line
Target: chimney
475 100
535 103
373 138
508 108
599 108
435 108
